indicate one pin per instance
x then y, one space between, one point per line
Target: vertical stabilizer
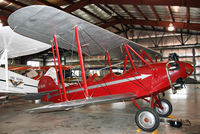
52 73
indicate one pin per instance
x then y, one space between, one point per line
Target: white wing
18 45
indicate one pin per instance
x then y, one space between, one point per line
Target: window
33 63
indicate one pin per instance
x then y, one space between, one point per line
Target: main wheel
167 108
147 119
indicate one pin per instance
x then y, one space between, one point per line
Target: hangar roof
119 16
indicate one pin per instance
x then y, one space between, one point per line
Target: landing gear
167 108
147 119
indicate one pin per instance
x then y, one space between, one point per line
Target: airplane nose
188 68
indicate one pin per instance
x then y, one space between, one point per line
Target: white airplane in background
15 45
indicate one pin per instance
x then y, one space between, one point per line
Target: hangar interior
171 26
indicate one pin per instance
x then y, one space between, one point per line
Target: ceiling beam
176 46
77 5
110 14
104 9
95 16
49 4
92 14
158 30
5 10
140 12
171 14
181 25
155 13
186 3
113 11
188 14
118 15
69 1
17 3
3 18
126 11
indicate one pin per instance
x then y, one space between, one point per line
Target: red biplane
43 23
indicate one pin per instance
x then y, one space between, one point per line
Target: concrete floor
115 118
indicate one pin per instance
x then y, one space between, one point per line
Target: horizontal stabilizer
82 102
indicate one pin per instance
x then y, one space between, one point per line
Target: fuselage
144 82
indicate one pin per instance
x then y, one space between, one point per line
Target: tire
167 108
147 119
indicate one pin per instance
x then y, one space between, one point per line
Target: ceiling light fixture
1 24
176 8
171 27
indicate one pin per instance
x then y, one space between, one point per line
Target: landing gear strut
148 119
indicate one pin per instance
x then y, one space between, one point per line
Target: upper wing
41 22
82 102
18 45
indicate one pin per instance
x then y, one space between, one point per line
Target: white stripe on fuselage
142 76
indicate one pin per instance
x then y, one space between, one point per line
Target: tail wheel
147 119
167 108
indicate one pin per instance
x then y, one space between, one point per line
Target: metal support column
60 68
109 63
130 58
125 63
60 92
81 62
142 59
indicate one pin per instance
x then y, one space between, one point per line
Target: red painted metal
156 105
109 63
152 101
81 62
138 107
45 84
130 58
143 52
142 87
142 59
158 102
54 58
125 63
60 68
156 59
145 83
146 100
